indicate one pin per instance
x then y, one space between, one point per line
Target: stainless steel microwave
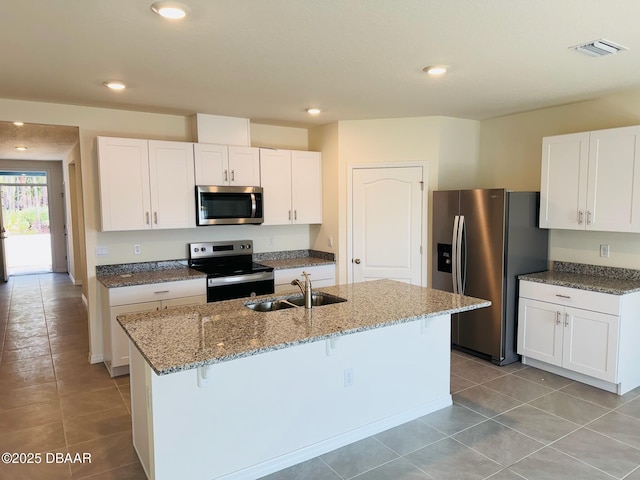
220 205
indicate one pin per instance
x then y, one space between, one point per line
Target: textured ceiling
269 60
43 142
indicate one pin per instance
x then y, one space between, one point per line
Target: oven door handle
250 277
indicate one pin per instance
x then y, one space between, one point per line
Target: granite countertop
187 337
126 275
294 259
596 278
595 283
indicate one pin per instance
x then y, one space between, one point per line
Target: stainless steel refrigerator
482 240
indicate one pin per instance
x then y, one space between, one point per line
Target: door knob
356 261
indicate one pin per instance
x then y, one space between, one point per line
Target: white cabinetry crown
591 181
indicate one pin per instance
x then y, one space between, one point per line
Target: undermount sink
269 306
317 300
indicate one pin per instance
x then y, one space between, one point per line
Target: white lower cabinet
580 334
320 276
140 298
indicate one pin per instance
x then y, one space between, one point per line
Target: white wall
510 156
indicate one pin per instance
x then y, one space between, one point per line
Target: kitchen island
223 391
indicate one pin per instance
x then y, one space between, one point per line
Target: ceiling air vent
599 48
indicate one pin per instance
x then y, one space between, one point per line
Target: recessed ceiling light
313 111
115 85
21 148
436 70
18 124
172 10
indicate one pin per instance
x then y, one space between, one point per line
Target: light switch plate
604 250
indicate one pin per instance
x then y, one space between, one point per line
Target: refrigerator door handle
454 254
459 239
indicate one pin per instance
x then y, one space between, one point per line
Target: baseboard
96 358
85 302
325 446
578 377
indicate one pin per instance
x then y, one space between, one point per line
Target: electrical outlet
348 377
330 241
137 249
604 250
102 251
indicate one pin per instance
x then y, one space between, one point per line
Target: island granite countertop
611 280
182 338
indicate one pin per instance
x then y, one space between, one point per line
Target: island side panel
269 411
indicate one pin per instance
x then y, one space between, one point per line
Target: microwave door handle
254 206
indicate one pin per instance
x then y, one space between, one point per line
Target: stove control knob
241 247
203 249
248 246
196 249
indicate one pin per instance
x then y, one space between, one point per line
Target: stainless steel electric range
231 271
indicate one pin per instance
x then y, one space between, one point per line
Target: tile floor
508 423
51 399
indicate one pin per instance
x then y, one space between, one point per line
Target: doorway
387 226
25 222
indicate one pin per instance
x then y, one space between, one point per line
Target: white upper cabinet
226 165
292 183
591 181
172 184
145 184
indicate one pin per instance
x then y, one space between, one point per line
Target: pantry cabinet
591 181
226 165
145 184
580 334
292 183
140 298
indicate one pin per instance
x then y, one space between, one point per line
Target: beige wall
448 145
510 156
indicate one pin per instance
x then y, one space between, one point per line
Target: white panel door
306 187
387 224
276 182
172 182
591 343
563 190
244 166
211 164
614 180
540 330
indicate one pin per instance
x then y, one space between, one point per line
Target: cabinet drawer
572 297
157 291
316 274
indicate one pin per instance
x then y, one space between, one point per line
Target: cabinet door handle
226 175
155 217
295 214
559 317
233 175
580 215
588 217
161 291
562 296
147 217
566 319
289 214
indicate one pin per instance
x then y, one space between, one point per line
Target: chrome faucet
307 291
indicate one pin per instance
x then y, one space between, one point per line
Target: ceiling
269 60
